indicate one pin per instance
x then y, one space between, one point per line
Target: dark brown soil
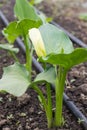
76 87
25 113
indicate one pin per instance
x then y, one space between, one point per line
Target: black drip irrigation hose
39 68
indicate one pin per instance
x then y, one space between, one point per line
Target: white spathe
35 37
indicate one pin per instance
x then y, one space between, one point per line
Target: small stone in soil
31 119
40 112
20 127
2 122
31 110
23 99
34 124
83 87
36 128
6 128
27 126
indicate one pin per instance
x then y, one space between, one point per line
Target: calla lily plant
52 47
60 53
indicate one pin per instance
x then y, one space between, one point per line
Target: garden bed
26 116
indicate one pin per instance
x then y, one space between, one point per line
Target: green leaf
49 19
20 28
33 2
38 1
55 40
67 60
83 16
9 47
24 10
15 80
26 24
11 32
48 76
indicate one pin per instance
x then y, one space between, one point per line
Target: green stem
28 56
60 81
14 56
49 106
44 66
41 96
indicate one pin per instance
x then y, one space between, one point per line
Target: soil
25 113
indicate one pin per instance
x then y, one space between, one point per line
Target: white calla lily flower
35 37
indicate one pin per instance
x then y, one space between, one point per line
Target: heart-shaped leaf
15 80
26 24
11 32
48 76
24 10
67 61
15 29
55 40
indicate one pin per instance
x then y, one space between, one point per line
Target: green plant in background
52 46
83 16
35 2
